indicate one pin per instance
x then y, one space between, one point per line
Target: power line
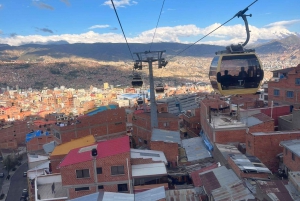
157 24
236 15
112 2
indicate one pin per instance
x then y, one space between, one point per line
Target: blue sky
89 21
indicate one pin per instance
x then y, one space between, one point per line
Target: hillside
120 52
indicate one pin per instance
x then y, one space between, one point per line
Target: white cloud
119 3
283 23
99 26
226 35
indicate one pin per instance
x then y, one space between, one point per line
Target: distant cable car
140 101
236 70
160 88
137 81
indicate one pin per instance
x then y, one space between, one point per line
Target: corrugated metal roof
64 148
35 158
148 169
215 178
90 197
195 149
154 155
195 174
275 189
49 147
182 195
292 145
165 136
151 195
234 191
251 121
227 149
249 163
109 196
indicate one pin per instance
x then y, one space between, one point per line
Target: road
17 183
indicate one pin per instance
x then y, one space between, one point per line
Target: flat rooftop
45 191
221 121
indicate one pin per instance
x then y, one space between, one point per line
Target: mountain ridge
120 51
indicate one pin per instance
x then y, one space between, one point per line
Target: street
17 183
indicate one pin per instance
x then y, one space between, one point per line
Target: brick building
291 155
60 151
168 142
191 122
36 143
101 124
265 146
284 87
109 170
141 125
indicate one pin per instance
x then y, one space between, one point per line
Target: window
297 81
118 123
286 151
276 92
166 124
85 173
275 74
99 170
249 144
290 94
82 189
115 170
293 156
122 188
100 187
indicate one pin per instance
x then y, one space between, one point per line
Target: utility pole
150 57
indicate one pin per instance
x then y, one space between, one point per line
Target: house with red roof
108 168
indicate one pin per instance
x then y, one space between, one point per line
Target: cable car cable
157 24
112 2
236 15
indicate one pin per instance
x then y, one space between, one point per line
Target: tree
9 163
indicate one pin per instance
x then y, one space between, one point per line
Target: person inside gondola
242 74
226 80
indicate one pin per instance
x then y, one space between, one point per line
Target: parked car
25 174
1 174
25 192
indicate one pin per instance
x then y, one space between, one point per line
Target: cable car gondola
140 101
137 81
236 70
160 89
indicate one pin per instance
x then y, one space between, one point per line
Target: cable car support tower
150 57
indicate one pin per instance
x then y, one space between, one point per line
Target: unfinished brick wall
37 143
226 136
292 165
266 146
170 150
108 122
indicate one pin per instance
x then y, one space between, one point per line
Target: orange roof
64 149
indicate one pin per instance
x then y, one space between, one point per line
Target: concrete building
290 122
